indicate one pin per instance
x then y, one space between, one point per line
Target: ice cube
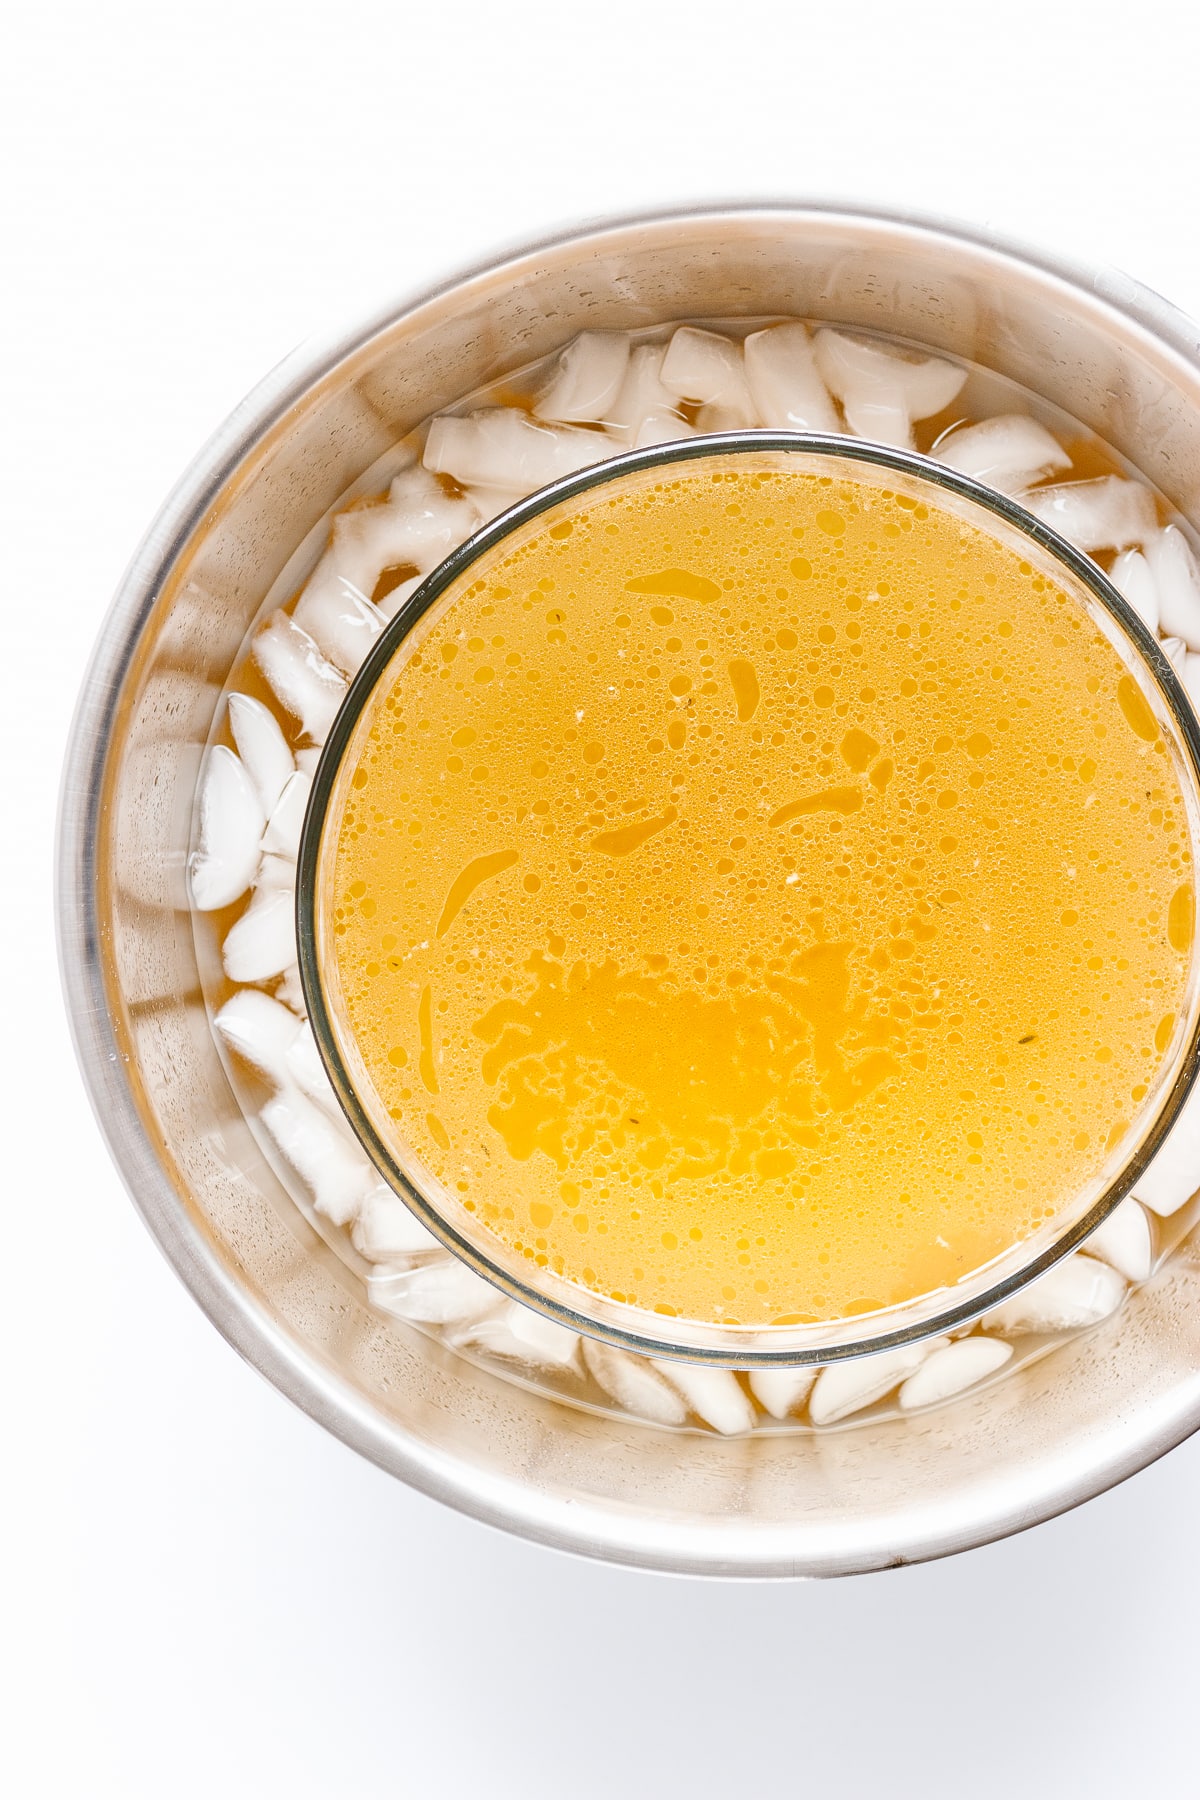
418 525
645 413
1125 1241
782 1391
1077 1292
704 366
1174 1174
305 683
501 447
334 1169
1130 575
445 1292
714 1395
519 1333
491 502
290 990
386 1229
1108 513
1176 653
586 379
282 836
847 1387
276 872
1190 676
953 1369
883 390
307 760
398 596
261 745
633 1383
1177 579
307 1070
260 1030
662 428
263 941
713 419
435 522
1007 453
224 862
785 383
341 620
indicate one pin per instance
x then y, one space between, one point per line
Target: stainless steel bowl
865 1497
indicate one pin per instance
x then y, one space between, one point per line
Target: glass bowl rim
746 1354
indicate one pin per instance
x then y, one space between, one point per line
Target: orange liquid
758 898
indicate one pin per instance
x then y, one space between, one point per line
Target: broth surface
758 897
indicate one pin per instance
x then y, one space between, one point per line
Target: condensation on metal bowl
892 1490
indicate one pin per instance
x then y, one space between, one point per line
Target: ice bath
605 393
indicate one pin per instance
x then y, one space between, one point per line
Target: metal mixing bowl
864 1497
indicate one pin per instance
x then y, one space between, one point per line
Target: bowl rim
584 1527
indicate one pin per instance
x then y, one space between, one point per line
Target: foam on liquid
758 897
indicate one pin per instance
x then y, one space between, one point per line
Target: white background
205 1594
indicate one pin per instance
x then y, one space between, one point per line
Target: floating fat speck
261 745
500 447
1173 1177
1131 574
262 943
336 1172
952 1370
586 379
782 1391
282 836
231 823
1108 513
848 1387
633 1383
714 1395
305 682
1177 579
704 366
1078 1291
645 413
387 1230
883 390
1006 453
522 1335
1125 1241
785 383
260 1030
445 1292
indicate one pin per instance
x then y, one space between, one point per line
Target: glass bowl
638 1328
